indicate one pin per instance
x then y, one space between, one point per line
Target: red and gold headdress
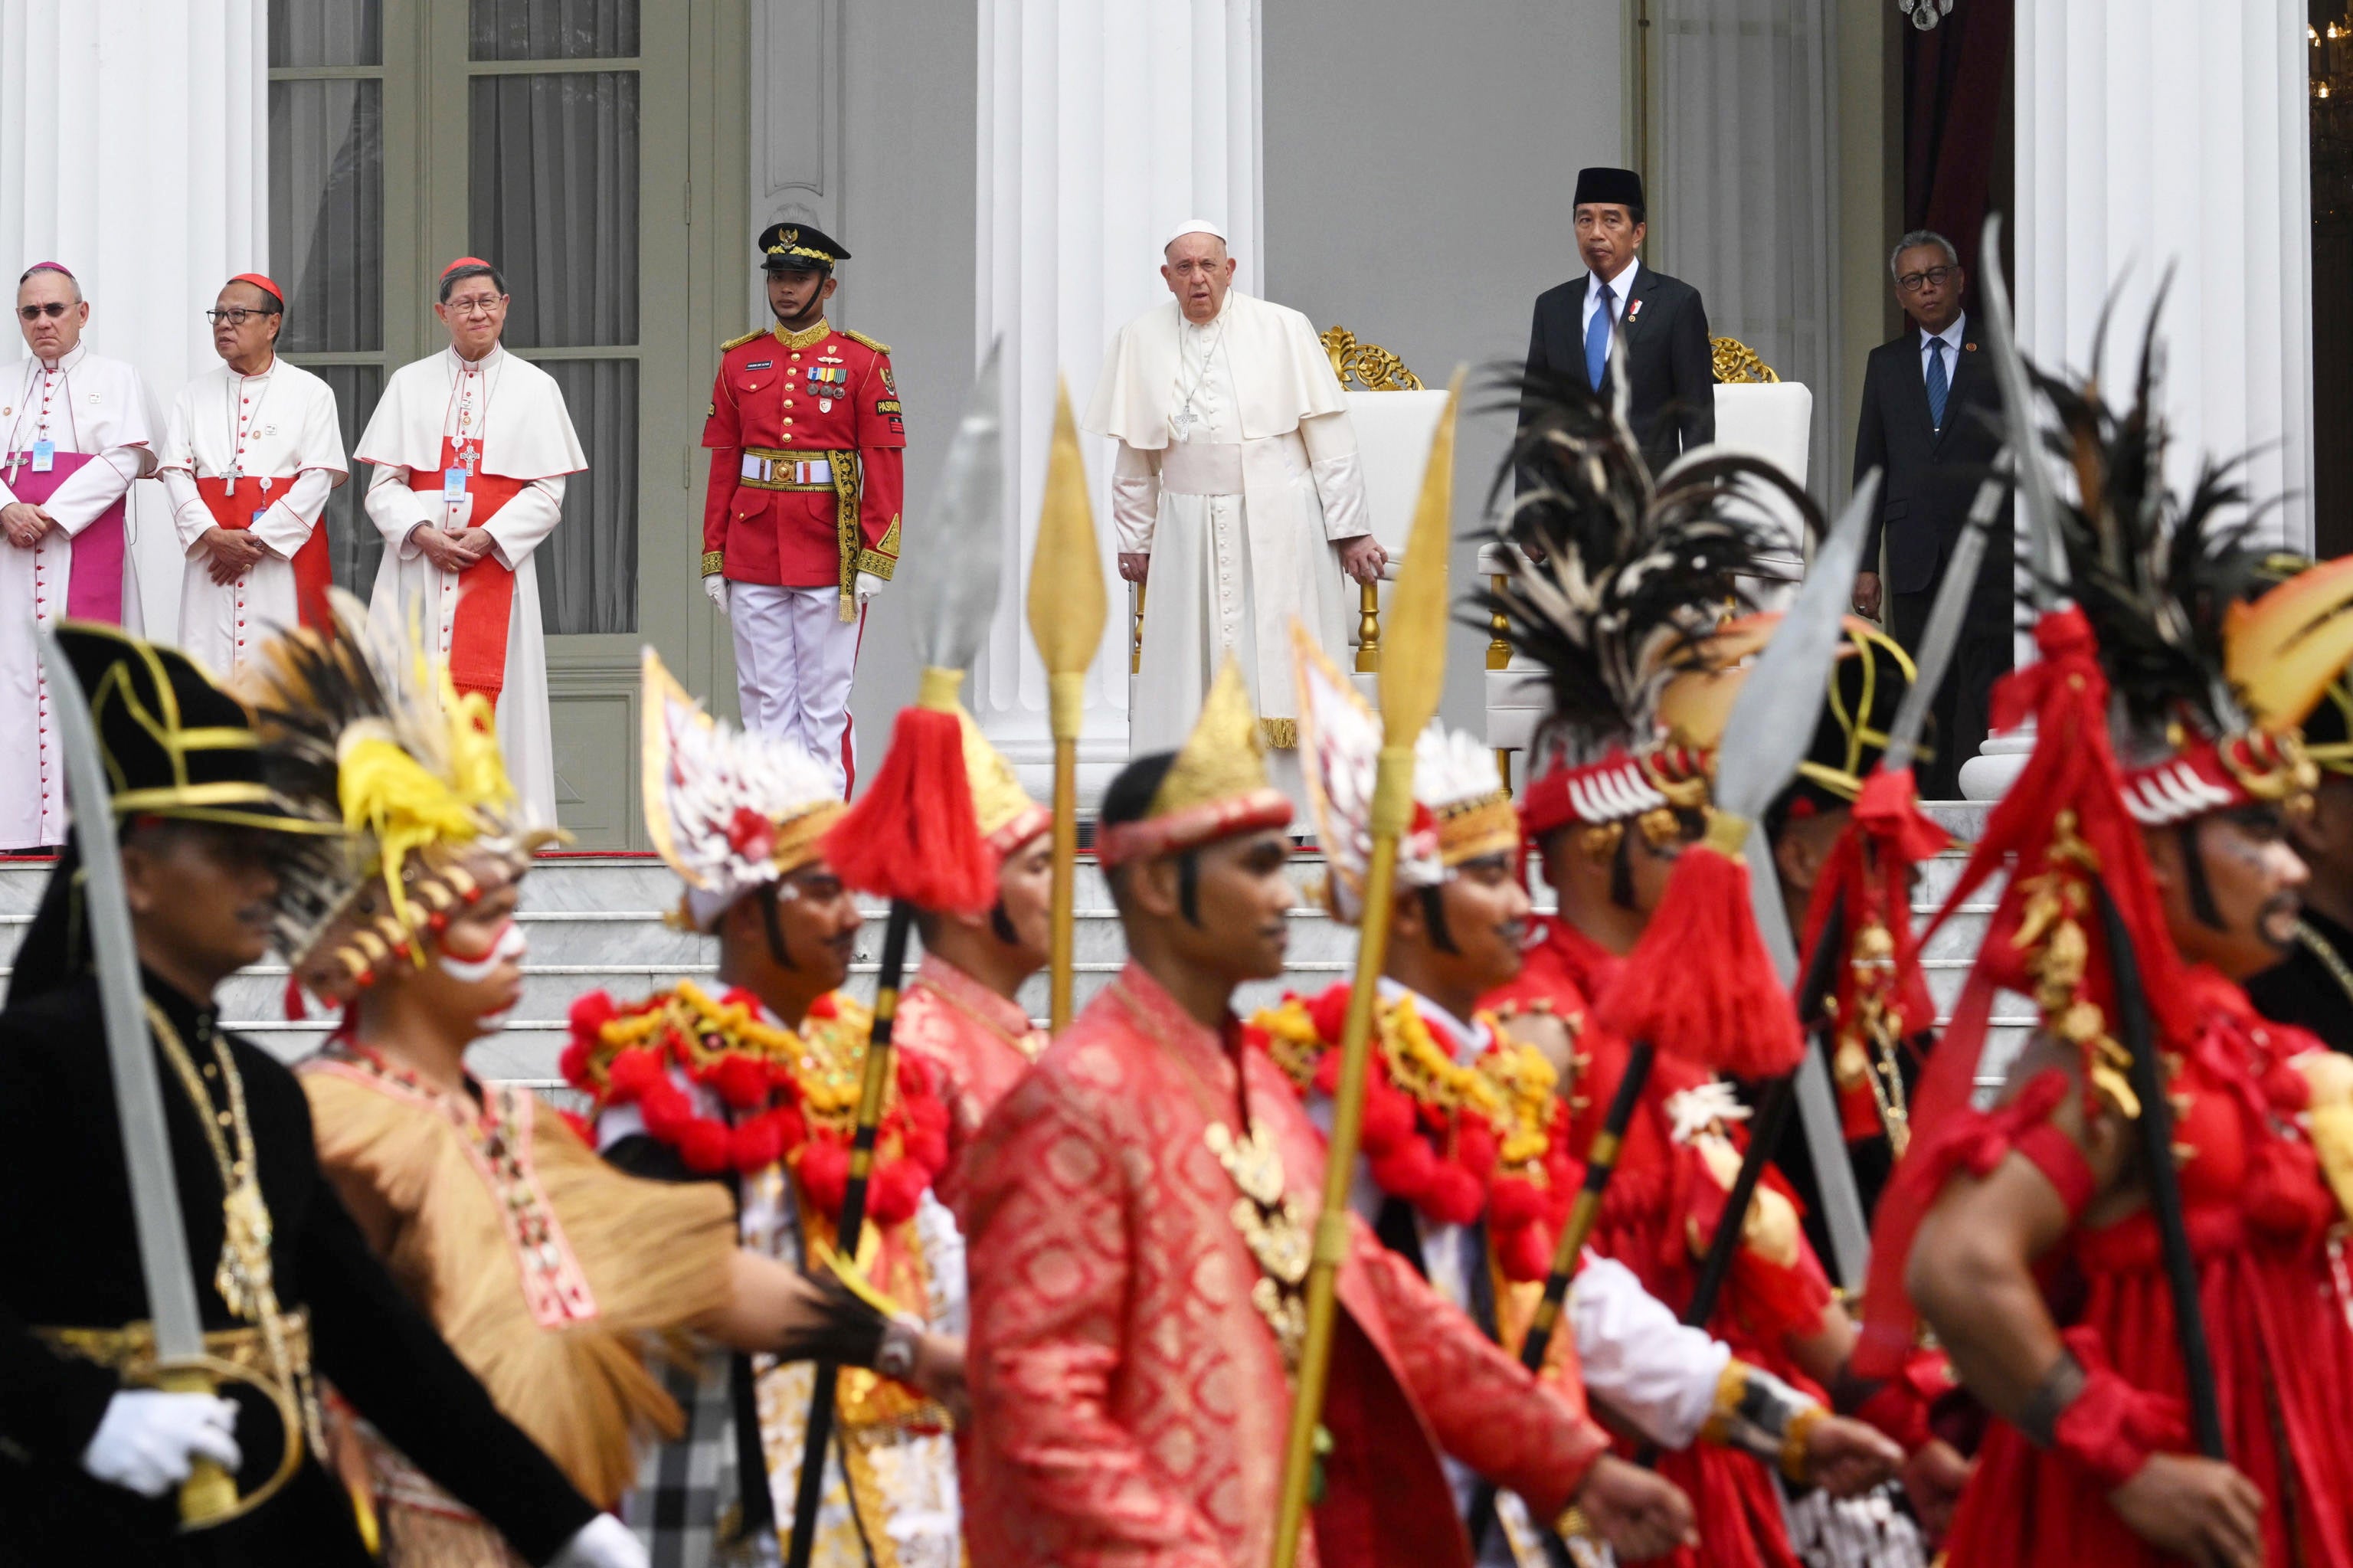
1217 786
1007 818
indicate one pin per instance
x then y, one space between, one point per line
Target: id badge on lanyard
453 485
45 456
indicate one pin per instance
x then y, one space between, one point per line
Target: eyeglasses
53 310
235 316
1912 282
477 304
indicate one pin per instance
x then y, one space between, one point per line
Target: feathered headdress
358 730
1619 584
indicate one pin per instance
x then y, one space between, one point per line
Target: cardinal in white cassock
1237 493
74 431
251 453
471 447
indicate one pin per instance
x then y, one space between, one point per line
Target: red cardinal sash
94 591
233 507
478 629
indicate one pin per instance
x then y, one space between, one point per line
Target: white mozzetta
1101 125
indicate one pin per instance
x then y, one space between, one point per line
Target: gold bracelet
1794 1459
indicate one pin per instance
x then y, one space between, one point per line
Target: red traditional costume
1139 1209
2208 693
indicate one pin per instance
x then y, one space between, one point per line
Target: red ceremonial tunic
979 1044
1130 1401
816 414
2261 1223
1662 1207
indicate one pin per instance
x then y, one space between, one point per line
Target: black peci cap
798 247
1622 188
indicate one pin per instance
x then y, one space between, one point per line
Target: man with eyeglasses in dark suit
1930 413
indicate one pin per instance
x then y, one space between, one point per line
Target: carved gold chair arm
1375 367
1736 361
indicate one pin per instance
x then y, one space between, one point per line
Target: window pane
553 29
326 32
353 544
326 212
555 203
588 568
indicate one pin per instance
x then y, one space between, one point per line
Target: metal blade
2039 501
953 564
138 1091
1818 1110
1944 629
1773 720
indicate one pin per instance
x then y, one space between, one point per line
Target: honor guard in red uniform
800 528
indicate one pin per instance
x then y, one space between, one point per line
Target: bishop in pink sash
74 433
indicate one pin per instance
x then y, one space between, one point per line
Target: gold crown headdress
1007 816
1217 786
355 728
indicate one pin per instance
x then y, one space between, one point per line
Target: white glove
602 1543
869 584
147 1440
715 588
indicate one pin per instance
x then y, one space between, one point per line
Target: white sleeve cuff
1340 483
1135 511
1639 1359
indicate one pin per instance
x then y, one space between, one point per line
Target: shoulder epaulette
732 344
856 337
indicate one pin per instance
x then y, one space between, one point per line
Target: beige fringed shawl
540 1263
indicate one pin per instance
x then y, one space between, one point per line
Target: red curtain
1955 106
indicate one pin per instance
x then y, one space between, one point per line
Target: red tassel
295 1011
1700 983
912 835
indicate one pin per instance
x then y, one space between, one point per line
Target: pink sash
94 591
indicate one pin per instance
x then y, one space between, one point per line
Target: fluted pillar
1102 124
137 153
2156 134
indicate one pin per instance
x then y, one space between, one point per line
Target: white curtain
1744 191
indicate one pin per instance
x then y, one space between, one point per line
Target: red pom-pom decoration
755 1144
1474 1149
1328 1010
1388 1116
1514 1201
591 1012
1406 1170
573 1063
666 1109
927 1149
634 1074
823 1007
741 1081
1455 1196
893 1194
824 1171
704 1144
1524 1253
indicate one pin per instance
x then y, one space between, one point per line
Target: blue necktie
1596 340
1937 386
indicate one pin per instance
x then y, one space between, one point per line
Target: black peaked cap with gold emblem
1867 684
173 744
798 247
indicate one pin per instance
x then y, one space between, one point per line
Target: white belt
770 471
1202 468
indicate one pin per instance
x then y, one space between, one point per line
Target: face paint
508 944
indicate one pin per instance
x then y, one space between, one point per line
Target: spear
1410 678
912 836
1067 609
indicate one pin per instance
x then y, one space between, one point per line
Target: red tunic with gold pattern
1661 1209
1130 1397
979 1044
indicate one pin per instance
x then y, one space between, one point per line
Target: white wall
132 149
1420 161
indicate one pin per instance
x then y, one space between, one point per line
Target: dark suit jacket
1663 332
1932 475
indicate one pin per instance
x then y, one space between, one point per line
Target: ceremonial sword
210 1491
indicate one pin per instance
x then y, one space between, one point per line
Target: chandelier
2330 59
1925 13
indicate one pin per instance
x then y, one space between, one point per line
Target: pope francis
1238 492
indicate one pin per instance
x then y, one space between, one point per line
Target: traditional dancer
1470 1170
544 1267
2033 1237
77 433
285 1284
756 1087
962 1013
1624 625
1140 1215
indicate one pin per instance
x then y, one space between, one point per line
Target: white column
2171 134
1102 124
137 153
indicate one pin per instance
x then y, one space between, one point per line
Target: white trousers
794 659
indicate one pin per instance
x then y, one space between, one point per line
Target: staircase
598 921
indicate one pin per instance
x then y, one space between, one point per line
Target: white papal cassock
1237 470
485 445
260 453
93 414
